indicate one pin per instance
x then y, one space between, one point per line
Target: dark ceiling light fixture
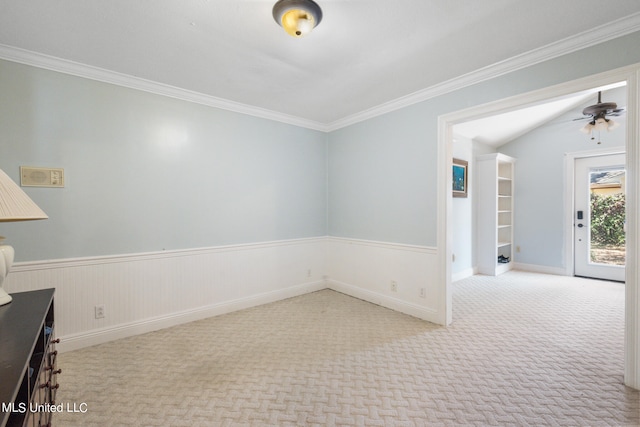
598 120
297 17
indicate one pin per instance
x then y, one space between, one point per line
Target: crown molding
571 44
52 63
597 35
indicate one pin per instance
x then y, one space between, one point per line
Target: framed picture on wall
460 182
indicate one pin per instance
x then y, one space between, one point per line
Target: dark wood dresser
28 368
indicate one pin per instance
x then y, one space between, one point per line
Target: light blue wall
236 178
464 210
148 173
539 221
382 172
380 184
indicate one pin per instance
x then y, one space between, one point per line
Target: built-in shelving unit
495 173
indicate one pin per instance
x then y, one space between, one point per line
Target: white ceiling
364 54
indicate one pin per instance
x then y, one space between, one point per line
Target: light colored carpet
524 349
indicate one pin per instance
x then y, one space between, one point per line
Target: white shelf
495 212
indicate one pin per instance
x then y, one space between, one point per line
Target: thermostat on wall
41 177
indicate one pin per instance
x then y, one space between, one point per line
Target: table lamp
15 205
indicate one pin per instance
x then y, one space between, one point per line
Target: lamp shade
588 128
15 205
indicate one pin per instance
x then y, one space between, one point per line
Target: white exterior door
599 246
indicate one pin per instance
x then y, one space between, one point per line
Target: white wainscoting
147 292
365 269
460 275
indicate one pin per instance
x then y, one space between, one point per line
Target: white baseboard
543 269
405 307
99 336
464 274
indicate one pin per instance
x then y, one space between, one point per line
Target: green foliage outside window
607 219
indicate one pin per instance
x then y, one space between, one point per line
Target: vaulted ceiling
363 55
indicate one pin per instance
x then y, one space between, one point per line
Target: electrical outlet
423 293
518 249
309 273
99 311
394 286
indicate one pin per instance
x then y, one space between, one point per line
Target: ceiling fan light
297 17
602 124
588 128
612 124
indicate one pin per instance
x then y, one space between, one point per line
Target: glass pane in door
607 205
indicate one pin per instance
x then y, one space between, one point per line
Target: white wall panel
145 292
365 269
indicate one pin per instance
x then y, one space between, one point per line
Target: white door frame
629 74
569 203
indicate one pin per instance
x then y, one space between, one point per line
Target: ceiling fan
597 116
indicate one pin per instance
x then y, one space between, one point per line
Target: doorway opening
630 75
